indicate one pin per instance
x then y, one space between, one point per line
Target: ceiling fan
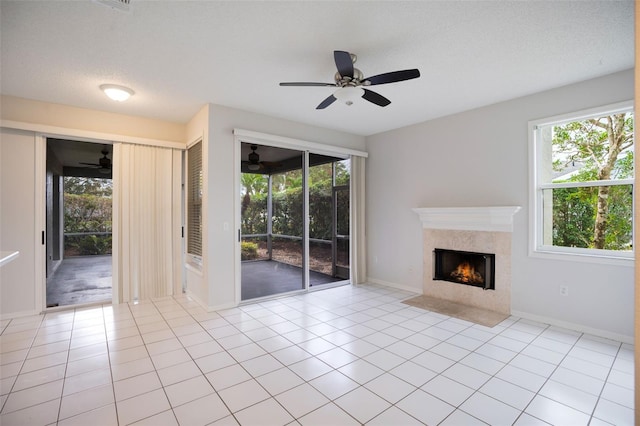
103 164
254 162
351 80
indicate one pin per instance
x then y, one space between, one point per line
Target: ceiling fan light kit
253 162
350 81
254 159
103 164
348 94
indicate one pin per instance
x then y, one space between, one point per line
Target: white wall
221 197
18 289
480 158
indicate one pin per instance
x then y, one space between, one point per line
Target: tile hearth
347 355
457 310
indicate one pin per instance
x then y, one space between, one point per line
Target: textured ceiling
180 55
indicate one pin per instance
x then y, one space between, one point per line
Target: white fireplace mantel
496 219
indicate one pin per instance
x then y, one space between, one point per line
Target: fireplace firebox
463 267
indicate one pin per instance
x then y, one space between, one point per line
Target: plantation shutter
194 200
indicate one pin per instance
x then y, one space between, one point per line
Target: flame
466 273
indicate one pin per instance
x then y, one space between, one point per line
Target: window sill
194 263
602 259
197 269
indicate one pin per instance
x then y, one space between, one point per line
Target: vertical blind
358 221
194 199
145 198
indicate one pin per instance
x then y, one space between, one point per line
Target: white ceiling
180 55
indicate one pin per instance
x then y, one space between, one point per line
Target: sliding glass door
281 198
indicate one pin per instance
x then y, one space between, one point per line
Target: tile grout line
64 377
604 385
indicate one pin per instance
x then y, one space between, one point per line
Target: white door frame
40 222
41 134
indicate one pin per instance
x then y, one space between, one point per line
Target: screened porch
276 197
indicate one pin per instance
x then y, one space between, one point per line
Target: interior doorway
281 251
78 223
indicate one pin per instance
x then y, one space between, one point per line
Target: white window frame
537 248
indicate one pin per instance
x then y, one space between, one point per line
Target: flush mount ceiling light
117 93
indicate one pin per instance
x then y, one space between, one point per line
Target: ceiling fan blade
331 99
91 164
304 83
392 77
343 63
375 98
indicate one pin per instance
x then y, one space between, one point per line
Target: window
583 183
194 200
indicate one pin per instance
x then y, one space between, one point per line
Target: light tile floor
347 355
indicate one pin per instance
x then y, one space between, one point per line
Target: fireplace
476 230
464 267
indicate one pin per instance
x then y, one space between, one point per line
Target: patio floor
268 277
87 279
80 280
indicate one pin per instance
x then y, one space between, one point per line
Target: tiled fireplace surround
473 229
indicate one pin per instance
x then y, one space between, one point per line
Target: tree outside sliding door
288 223
254 197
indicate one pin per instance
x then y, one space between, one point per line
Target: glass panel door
341 196
79 190
328 219
272 221
320 220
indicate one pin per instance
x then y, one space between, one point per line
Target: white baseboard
394 285
573 326
191 295
206 307
21 314
525 315
221 307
